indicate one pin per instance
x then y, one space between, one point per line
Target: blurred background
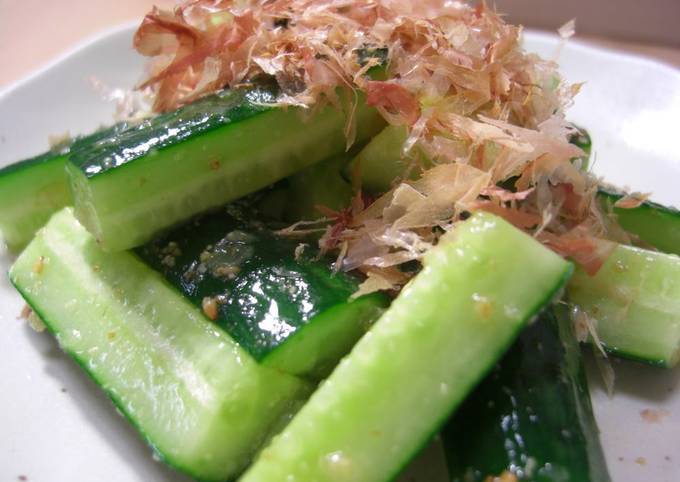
34 32
650 21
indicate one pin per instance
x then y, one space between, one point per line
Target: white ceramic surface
56 426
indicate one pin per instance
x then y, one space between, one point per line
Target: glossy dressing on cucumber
531 417
99 155
198 398
130 187
265 290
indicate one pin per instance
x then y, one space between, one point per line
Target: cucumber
302 196
198 399
531 416
381 162
635 302
583 140
290 314
131 186
33 189
653 223
441 335
30 192
319 185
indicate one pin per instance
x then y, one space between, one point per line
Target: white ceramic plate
55 425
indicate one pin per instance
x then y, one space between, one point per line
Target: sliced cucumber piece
131 186
30 192
531 416
634 301
380 163
292 314
199 399
655 224
302 196
319 185
418 362
33 189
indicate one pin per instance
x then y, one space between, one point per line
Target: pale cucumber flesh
126 205
382 161
419 361
634 304
199 399
30 195
33 189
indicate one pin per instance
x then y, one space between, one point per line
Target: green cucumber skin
108 153
635 300
531 415
583 140
32 162
653 223
632 356
418 362
132 186
196 397
33 189
315 348
271 300
30 192
73 145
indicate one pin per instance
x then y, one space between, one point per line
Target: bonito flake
487 116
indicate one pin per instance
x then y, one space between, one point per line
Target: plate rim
70 51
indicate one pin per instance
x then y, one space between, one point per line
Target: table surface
34 32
